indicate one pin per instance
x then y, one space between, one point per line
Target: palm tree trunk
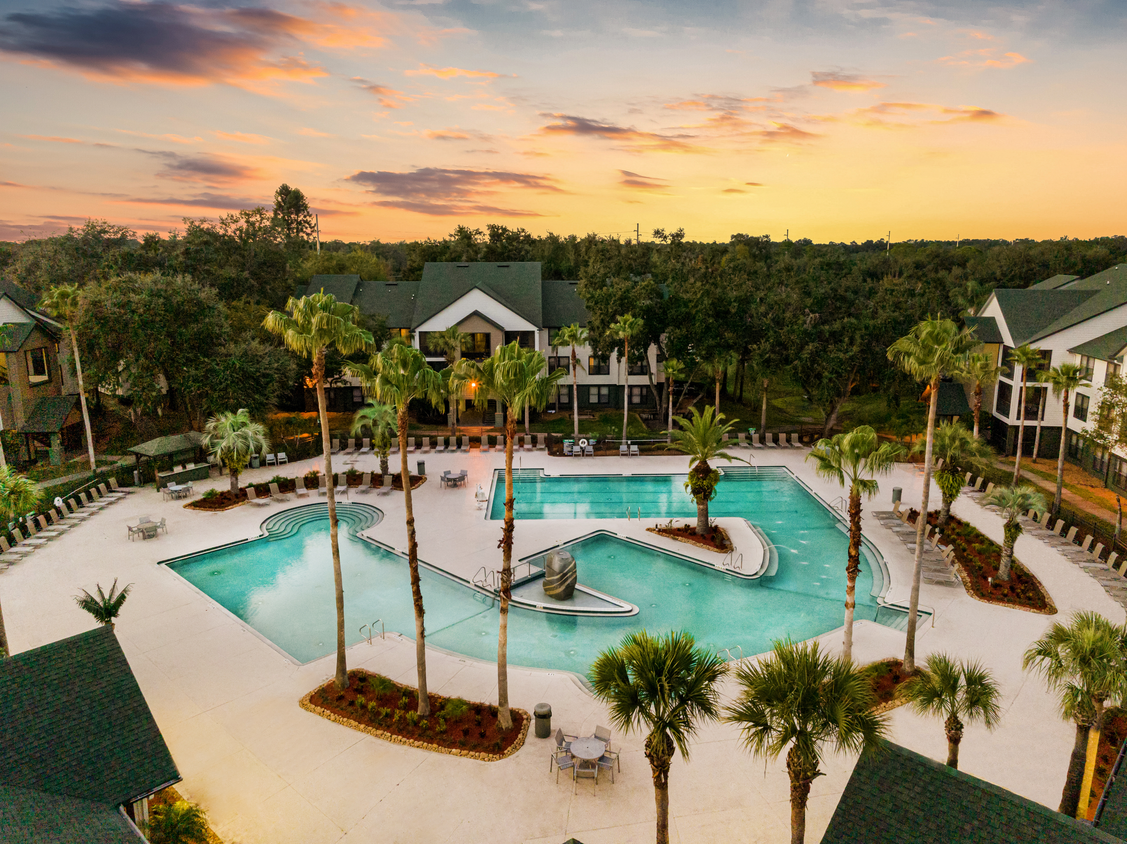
1070 794
1020 429
3 637
852 569
234 473
977 405
527 431
82 401
384 467
660 758
799 793
954 729
944 511
338 577
717 408
669 433
575 392
763 411
921 527
413 563
1060 458
504 716
1090 761
625 387
1040 417
1007 559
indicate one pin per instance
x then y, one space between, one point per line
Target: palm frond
105 606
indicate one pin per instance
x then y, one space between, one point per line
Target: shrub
424 724
455 708
412 718
382 685
278 479
352 474
361 701
441 724
405 702
210 493
385 711
177 823
312 475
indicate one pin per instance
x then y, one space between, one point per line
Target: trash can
254 461
422 467
896 494
543 714
136 477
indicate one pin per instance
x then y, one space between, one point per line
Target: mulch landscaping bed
1111 738
171 795
225 500
386 709
715 539
885 677
978 557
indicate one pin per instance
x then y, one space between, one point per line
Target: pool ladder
629 515
841 504
487 579
732 561
728 651
371 628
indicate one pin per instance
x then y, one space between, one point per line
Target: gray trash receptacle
422 467
543 714
896 494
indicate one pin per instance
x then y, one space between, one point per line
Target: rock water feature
559 575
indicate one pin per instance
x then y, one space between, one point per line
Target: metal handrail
371 628
485 578
728 651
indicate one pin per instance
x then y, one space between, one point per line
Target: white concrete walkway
266 771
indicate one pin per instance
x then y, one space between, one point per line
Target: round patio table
588 749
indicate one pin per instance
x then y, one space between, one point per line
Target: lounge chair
410 445
1072 531
756 442
299 488
465 444
335 447
277 494
252 497
17 552
966 480
76 513
341 487
441 445
426 445
795 442
768 439
485 442
43 529
367 446
1099 551
742 440
1045 520
385 487
365 484
110 494
322 484
634 451
978 485
989 488
541 442
123 490
29 542
57 523
524 441
271 460
1058 527
352 449
500 442
1112 560
1087 543
896 507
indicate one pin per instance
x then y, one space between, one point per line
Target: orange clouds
909 115
446 192
388 97
635 181
450 72
567 124
836 80
987 57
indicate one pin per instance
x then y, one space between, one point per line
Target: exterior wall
21 393
11 312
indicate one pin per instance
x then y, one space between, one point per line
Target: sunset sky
835 119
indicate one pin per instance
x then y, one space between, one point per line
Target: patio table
587 751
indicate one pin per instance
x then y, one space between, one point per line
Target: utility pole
317 224
888 244
788 234
957 238
638 234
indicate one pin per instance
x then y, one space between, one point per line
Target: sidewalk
1073 475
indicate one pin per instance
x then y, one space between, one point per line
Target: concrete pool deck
266 771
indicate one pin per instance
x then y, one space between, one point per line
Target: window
1119 473
524 338
562 362
357 396
1080 407
598 395
1033 397
1100 458
1002 405
1112 372
403 334
1074 445
640 368
639 395
563 394
1087 367
37 366
478 345
598 366
1007 364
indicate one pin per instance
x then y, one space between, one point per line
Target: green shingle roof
49 415
77 725
516 285
899 797
342 287
1053 283
952 399
1107 290
34 817
1106 347
395 300
13 335
984 328
1029 312
562 304
173 444
1111 814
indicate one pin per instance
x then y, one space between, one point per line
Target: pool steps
354 518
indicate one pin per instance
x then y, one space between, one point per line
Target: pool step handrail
486 579
371 628
728 651
841 503
732 561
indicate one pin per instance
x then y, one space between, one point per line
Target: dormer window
37 372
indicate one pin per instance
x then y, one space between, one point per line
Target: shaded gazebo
182 449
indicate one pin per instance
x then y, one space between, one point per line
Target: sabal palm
18 495
701 436
674 371
979 372
380 420
398 376
932 349
715 368
233 438
105 606
573 335
957 448
451 343
515 378
799 701
625 327
1028 358
177 823
61 302
961 693
665 687
1084 662
309 327
853 460
1064 379
1013 501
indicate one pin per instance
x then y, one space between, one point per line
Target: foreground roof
1105 347
35 817
1029 312
896 796
172 444
49 414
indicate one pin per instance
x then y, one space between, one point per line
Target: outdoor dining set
454 478
146 528
177 490
584 756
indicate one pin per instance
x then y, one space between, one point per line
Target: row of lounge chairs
42 528
340 488
767 441
938 560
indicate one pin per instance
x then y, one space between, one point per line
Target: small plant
385 711
405 702
177 823
210 493
424 724
455 708
105 606
412 718
382 685
312 475
278 479
361 700
441 724
395 716
352 474
477 720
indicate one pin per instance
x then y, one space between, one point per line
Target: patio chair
394 446
465 444
426 445
896 507
742 438
1072 534
277 494
756 442
57 523
271 460
769 440
485 442
123 490
978 485
989 488
25 543
365 484
1112 559
335 449
252 497
541 442
1087 543
283 458
1122 567
588 451
110 494
796 441
603 734
299 488
564 762
45 530
966 480
410 445
606 762
322 484
634 450
500 442
1045 519
445 478
624 450
441 445
341 487
76 513
351 447
1099 551
367 446
18 552
385 488
1058 527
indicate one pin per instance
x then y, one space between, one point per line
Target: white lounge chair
410 445
299 488
465 444
541 442
426 445
365 484
252 497
441 446
277 494
385 487
367 449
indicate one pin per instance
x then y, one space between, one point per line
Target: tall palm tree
1028 358
1064 380
957 448
1044 391
573 335
979 372
800 700
18 495
515 378
932 349
1013 501
61 302
674 371
234 438
105 606
1084 663
625 327
397 376
702 438
715 368
853 460
380 419
666 687
451 343
313 325
959 692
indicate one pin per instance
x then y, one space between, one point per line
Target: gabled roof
77 725
1108 346
17 294
13 335
394 299
562 304
1029 312
1053 283
1103 296
49 415
34 817
342 287
985 328
173 444
516 285
896 796
952 399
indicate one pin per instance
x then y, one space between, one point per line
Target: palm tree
315 324
1044 391
18 495
715 368
61 302
177 823
397 376
106 606
573 335
799 700
625 327
666 687
958 448
702 438
515 378
674 371
233 438
853 460
1084 663
1064 380
380 420
1028 358
960 692
979 372
451 343
932 349
1013 501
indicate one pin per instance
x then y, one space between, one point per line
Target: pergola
177 447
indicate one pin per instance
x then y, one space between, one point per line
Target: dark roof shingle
49 414
516 285
1029 312
33 817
